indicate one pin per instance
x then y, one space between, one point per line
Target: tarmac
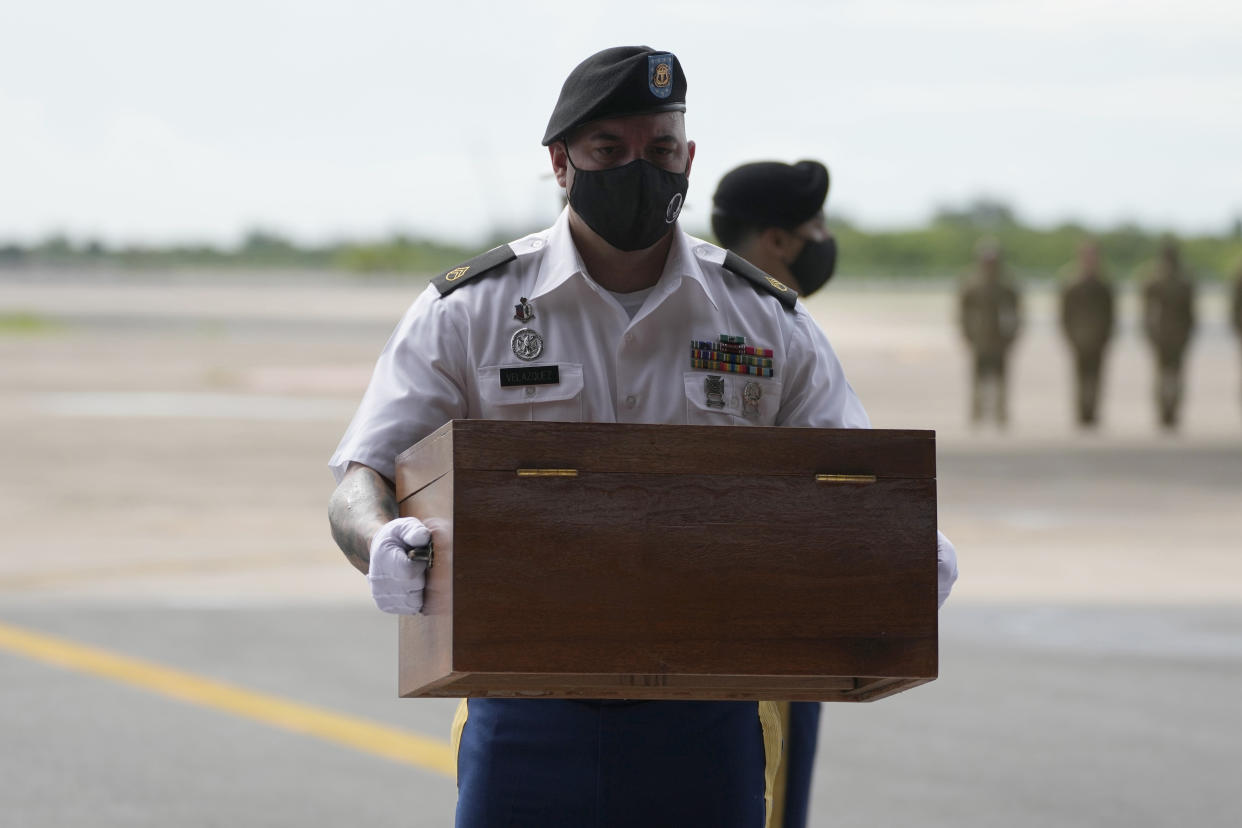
182 644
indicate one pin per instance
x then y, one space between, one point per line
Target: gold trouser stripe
781 785
366 736
459 724
773 747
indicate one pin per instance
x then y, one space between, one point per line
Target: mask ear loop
569 158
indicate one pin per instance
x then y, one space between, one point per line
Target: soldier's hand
946 567
396 581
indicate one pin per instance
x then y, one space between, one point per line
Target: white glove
946 568
396 581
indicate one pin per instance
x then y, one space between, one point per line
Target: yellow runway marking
359 734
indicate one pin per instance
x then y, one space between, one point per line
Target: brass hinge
547 472
845 478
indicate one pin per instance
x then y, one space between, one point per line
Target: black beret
772 194
623 80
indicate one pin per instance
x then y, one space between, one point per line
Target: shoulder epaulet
450 280
761 280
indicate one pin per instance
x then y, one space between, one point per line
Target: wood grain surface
680 562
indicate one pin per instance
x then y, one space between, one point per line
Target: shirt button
631 401
536 243
629 337
530 390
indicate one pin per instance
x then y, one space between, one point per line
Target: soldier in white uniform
772 214
611 315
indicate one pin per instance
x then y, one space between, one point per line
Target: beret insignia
660 75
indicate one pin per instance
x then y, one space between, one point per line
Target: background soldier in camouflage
1236 315
1087 320
1168 319
990 315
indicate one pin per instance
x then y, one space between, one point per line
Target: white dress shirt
444 359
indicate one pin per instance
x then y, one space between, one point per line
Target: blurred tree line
943 247
259 249
946 245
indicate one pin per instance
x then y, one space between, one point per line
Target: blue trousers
546 763
801 737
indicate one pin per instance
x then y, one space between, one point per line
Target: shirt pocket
559 402
731 399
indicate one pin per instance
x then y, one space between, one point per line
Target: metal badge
523 312
527 344
714 387
750 399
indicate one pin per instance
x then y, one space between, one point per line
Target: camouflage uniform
1236 315
1087 318
1168 320
990 315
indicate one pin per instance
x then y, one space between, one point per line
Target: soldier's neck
769 261
618 270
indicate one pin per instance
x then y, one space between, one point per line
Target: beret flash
623 80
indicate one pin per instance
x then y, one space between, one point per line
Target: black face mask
814 265
632 206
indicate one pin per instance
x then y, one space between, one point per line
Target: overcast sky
138 120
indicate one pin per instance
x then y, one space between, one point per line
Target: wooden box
600 560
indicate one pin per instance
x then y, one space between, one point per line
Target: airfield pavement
182 644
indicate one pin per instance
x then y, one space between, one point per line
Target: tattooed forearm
362 503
